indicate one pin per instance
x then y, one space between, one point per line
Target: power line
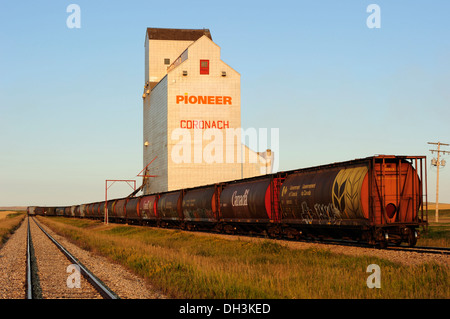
437 162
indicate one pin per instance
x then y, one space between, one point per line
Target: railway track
349 243
353 243
422 249
54 273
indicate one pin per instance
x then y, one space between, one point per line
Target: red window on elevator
204 66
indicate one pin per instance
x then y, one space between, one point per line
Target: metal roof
177 34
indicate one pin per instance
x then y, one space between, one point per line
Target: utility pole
438 163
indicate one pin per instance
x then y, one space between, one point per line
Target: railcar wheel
274 232
382 244
229 229
412 238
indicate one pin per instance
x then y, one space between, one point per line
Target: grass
438 234
191 265
9 222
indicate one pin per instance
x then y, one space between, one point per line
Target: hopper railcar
148 209
30 210
377 200
200 207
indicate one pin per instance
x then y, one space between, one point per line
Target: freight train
377 200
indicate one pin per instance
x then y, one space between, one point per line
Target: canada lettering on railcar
240 200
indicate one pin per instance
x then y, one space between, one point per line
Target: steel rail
434 248
101 288
350 243
353 243
422 249
29 281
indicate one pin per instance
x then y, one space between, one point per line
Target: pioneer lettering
203 99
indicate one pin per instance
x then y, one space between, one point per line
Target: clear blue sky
71 105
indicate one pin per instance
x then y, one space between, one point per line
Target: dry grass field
432 206
9 221
437 234
188 265
4 214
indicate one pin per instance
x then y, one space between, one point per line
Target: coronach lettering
204 124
